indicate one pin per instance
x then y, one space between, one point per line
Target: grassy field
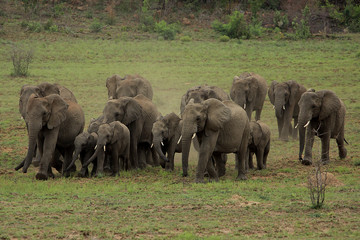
152 203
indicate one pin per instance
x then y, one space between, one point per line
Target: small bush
58 10
185 39
224 38
256 29
34 27
317 182
236 28
302 29
21 58
167 31
281 21
96 26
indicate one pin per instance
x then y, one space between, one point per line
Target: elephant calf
259 143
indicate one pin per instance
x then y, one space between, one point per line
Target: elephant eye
198 118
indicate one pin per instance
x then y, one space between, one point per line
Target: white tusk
244 105
162 144
179 139
284 107
307 124
95 147
111 98
296 125
104 148
22 118
152 145
273 106
193 136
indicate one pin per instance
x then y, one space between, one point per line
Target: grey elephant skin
138 114
202 93
259 143
129 86
249 91
166 133
285 97
84 147
53 123
221 127
322 113
114 139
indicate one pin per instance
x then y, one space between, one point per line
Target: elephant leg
206 149
250 163
248 112
259 157
94 167
68 152
38 154
141 153
325 147
155 156
266 153
134 153
341 145
57 163
294 130
220 160
49 145
258 113
310 135
100 163
211 170
242 155
115 162
50 172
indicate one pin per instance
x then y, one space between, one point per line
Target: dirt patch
240 201
331 180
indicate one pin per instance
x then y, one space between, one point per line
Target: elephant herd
131 133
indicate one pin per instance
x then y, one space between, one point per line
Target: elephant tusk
162 144
307 124
111 98
95 147
273 106
284 107
193 136
244 105
22 117
152 145
296 125
179 139
104 148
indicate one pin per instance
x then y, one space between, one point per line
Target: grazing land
153 203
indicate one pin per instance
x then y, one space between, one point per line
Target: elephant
114 140
53 123
84 146
138 114
285 97
259 143
249 91
221 127
166 133
322 113
202 93
94 124
129 86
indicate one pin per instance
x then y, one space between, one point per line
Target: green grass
152 203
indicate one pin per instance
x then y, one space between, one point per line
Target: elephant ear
133 111
253 88
116 130
271 92
217 114
330 104
294 92
57 107
183 103
172 121
47 88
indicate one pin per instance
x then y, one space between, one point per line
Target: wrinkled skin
129 86
322 113
84 146
259 143
285 97
202 93
114 139
221 127
166 133
94 124
138 114
53 123
249 91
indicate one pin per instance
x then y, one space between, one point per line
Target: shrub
224 38
21 58
167 31
34 27
256 29
302 29
96 26
280 21
58 10
317 186
352 17
236 28
185 39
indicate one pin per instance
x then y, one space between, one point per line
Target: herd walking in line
131 133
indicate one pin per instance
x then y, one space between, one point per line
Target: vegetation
21 57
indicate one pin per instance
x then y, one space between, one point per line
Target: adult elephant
138 114
322 113
221 127
285 97
129 86
53 123
166 133
249 91
202 93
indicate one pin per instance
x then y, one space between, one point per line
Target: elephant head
49 112
112 84
283 95
201 118
319 105
94 124
244 89
163 130
124 109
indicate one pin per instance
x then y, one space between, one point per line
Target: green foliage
185 39
167 31
236 28
147 21
34 27
21 58
281 20
302 28
31 6
89 14
349 16
58 10
256 29
96 26
224 38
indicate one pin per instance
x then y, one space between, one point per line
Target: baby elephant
259 143
84 146
114 138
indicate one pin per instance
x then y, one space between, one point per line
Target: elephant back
134 85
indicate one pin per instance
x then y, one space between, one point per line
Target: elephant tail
346 141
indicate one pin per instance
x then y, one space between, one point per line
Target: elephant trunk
99 150
75 156
157 145
279 107
34 130
187 133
